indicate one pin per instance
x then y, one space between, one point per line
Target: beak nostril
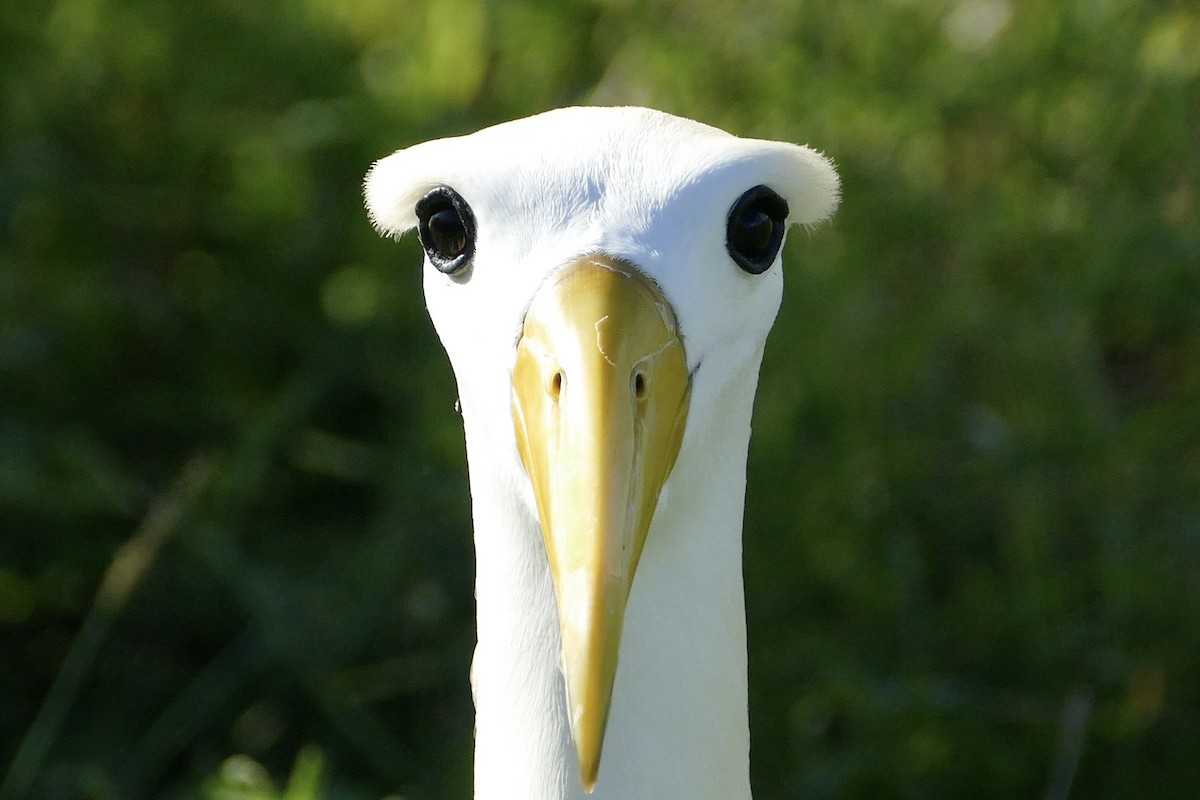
639 385
556 382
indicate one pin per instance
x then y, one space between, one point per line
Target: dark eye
446 227
754 233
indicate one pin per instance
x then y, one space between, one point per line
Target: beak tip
588 773
587 732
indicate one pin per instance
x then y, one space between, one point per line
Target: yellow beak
600 401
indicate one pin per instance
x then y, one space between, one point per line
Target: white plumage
603 280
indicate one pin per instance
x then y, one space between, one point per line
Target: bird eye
446 228
755 229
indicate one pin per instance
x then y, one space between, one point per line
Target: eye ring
446 228
755 227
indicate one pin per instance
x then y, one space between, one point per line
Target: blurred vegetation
235 558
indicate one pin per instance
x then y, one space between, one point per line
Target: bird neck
678 723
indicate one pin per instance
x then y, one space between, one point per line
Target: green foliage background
235 557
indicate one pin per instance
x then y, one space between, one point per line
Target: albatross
603 281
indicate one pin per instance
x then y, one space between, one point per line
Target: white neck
678 725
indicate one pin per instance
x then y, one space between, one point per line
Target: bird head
582 267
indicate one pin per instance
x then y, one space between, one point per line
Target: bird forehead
554 165
635 184
589 133
598 169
